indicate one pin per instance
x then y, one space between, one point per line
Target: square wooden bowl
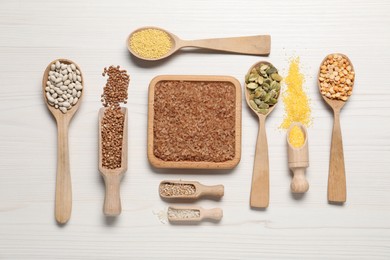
228 164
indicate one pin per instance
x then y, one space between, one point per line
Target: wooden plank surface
93 34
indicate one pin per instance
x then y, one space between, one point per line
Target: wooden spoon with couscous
153 43
335 81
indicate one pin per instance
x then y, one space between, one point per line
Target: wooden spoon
337 191
259 197
63 201
201 190
298 161
193 214
112 177
254 45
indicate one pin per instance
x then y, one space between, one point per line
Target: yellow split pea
150 43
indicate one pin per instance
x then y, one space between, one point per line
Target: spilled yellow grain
296 137
295 99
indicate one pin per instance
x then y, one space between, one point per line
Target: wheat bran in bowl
194 122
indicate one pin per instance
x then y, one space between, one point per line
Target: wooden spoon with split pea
63 200
337 191
253 45
259 197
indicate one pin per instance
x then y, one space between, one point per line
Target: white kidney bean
63 87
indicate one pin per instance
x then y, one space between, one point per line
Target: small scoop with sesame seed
335 81
153 43
191 190
112 156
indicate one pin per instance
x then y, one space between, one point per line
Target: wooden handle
260 179
256 45
214 214
215 191
336 180
299 183
112 201
63 202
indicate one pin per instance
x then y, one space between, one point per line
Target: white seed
49 97
51 73
58 65
66 82
69 107
56 101
52 78
78 72
70 76
55 95
68 96
47 89
57 74
74 76
64 78
78 87
71 99
60 99
74 92
59 84
52 67
60 104
69 69
63 109
69 91
56 106
71 85
63 88
66 104
79 79
78 94
73 66
63 66
59 91
64 96
51 91
48 83
75 100
64 72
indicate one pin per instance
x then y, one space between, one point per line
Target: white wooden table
93 34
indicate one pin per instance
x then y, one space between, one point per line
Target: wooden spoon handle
299 184
215 191
63 202
112 201
257 45
336 180
213 214
260 179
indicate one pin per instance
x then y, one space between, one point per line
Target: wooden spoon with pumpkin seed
262 88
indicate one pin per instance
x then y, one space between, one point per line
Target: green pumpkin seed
260 80
247 78
253 104
252 85
271 70
276 77
264 67
263 111
273 101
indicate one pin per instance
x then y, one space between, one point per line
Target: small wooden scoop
193 214
254 45
298 161
189 190
112 177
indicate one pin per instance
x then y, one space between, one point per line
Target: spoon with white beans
62 87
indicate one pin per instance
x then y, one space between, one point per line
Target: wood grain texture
93 33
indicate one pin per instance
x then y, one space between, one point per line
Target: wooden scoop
193 214
197 191
254 45
259 197
298 161
112 177
63 201
337 191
